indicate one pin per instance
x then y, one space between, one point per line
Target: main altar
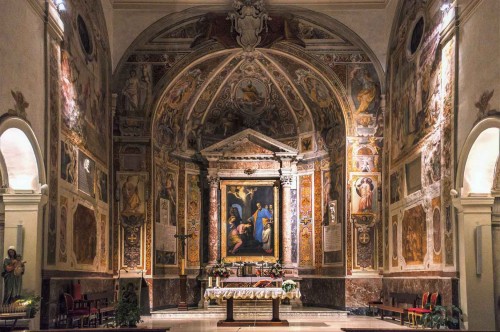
251 293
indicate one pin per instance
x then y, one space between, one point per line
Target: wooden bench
103 302
400 302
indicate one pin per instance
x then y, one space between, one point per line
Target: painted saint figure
131 199
131 93
260 217
13 270
365 191
266 238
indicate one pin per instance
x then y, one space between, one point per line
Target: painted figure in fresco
368 91
365 191
168 192
266 238
250 93
13 270
130 195
145 86
131 93
260 217
234 221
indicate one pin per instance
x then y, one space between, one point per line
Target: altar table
267 293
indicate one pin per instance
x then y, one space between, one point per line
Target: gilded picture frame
250 220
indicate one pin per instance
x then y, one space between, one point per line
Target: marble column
286 184
476 261
213 228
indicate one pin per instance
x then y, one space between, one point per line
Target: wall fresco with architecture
421 102
78 227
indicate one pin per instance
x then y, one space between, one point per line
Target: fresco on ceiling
84 235
84 70
414 236
169 123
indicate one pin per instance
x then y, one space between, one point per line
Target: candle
183 272
217 282
210 282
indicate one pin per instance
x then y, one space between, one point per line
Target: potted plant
288 286
128 312
443 317
276 270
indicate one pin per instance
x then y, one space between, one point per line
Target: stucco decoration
249 19
20 105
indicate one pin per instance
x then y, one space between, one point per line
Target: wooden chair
79 310
419 312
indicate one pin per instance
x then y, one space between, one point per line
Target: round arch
18 143
482 140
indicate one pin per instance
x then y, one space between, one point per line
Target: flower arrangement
288 285
276 270
220 270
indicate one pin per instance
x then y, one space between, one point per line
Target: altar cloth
249 293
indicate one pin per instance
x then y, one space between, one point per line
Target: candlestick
210 282
183 272
217 282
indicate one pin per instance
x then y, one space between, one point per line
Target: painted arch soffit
267 90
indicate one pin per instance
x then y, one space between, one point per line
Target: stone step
219 312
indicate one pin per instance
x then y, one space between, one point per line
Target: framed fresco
249 220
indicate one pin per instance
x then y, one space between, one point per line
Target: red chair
419 312
79 310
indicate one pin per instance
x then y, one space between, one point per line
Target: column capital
286 180
213 180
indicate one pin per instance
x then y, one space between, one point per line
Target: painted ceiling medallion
249 18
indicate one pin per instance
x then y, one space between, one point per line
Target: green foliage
127 314
31 302
442 316
288 285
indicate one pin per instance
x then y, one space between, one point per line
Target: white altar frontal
275 294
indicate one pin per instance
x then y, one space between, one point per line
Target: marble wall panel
359 291
447 287
323 292
166 293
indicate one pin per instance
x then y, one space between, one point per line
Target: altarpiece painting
249 220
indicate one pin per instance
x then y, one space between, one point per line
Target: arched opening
23 180
477 187
302 109
20 160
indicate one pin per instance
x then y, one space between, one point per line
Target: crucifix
182 306
183 238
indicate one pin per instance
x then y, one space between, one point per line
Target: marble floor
296 324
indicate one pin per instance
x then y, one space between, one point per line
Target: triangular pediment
249 144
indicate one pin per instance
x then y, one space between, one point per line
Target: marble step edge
183 314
